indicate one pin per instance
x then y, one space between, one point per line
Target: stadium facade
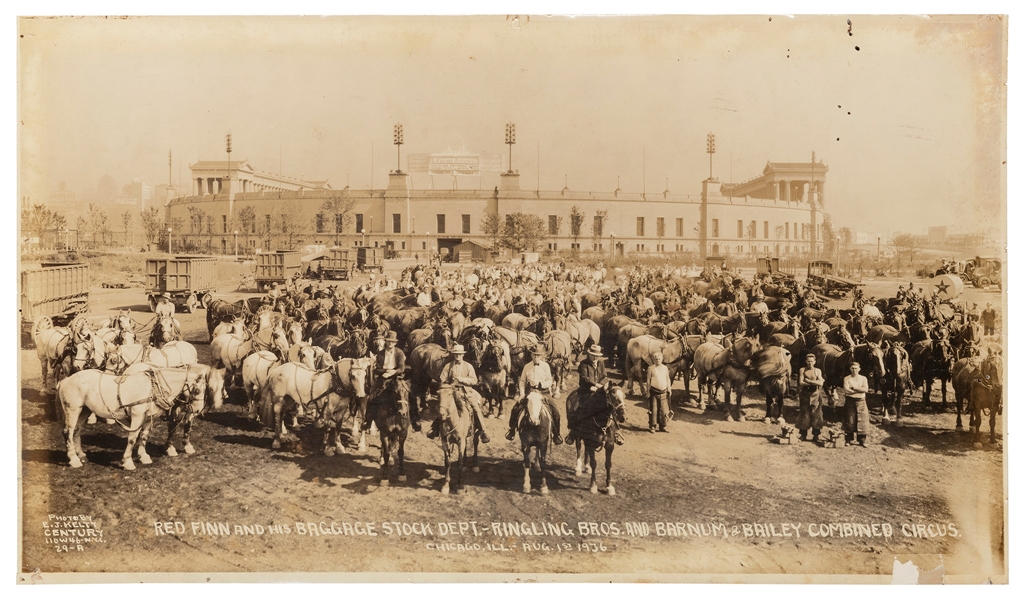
779 212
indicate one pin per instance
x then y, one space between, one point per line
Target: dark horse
493 380
535 432
593 423
932 359
897 380
392 420
986 396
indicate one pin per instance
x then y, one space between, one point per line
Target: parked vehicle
184 279
53 295
371 259
276 267
771 265
337 264
983 272
820 276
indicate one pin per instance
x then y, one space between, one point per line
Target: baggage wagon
183 279
337 264
371 259
277 267
53 295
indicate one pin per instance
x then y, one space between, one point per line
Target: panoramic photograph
505 298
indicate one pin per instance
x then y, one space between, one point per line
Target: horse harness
159 394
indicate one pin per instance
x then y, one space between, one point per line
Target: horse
493 377
51 346
773 368
967 340
164 330
425 363
932 359
392 421
457 433
174 354
593 422
584 333
220 311
135 398
834 364
734 323
728 366
535 431
559 351
677 355
887 333
235 327
256 368
227 352
986 395
898 378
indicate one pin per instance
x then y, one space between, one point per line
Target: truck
336 264
183 279
371 259
771 266
983 272
53 295
820 276
276 267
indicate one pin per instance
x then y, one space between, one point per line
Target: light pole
509 138
429 250
711 149
399 139
364 237
236 244
170 241
612 247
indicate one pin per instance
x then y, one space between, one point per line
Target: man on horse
536 375
759 306
389 369
592 377
460 374
165 309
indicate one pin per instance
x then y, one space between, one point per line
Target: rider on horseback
535 376
592 377
389 369
461 375
165 308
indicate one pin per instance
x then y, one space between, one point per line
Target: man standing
987 318
810 382
389 369
459 373
857 419
658 381
535 376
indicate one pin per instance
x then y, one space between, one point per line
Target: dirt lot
708 498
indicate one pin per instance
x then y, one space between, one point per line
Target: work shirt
165 309
760 307
854 382
458 372
536 377
658 378
389 361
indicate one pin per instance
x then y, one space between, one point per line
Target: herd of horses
308 353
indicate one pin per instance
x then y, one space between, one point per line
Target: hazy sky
911 124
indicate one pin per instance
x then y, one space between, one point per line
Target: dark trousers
857 418
660 408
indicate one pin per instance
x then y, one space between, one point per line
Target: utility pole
228 157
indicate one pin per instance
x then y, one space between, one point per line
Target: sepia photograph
506 298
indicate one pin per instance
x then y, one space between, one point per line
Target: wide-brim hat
595 351
538 350
391 337
458 349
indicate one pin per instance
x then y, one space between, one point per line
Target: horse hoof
610 490
145 459
172 451
362 446
76 463
886 421
402 478
959 428
898 422
445 490
544 491
328 451
578 472
128 465
978 445
475 469
276 445
741 419
527 490
594 490
92 419
110 421
729 418
189 449
385 482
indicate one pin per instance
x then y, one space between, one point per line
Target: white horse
256 368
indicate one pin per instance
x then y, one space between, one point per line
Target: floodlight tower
710 151
509 138
399 139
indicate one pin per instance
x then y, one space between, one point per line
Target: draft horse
593 421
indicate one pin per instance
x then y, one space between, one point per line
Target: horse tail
265 409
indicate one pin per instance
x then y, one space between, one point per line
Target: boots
434 429
413 415
555 424
513 420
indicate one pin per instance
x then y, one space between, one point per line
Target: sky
908 113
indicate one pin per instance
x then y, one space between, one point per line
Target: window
441 225
338 222
403 245
742 232
397 223
753 229
319 222
267 223
640 226
576 246
424 245
598 226
679 229
660 226
786 233
716 232
552 246
641 247
223 223
767 234
466 224
552 224
359 225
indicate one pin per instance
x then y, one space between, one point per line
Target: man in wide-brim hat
389 368
457 372
592 377
535 376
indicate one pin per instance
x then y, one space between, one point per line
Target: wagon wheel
190 304
41 324
152 304
202 301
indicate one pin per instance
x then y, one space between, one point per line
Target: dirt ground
709 498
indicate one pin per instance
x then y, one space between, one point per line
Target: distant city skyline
907 112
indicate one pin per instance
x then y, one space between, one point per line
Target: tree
98 222
597 229
152 224
287 223
81 223
751 234
905 244
523 231
830 238
338 207
38 220
265 230
576 217
247 219
492 226
126 219
197 219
